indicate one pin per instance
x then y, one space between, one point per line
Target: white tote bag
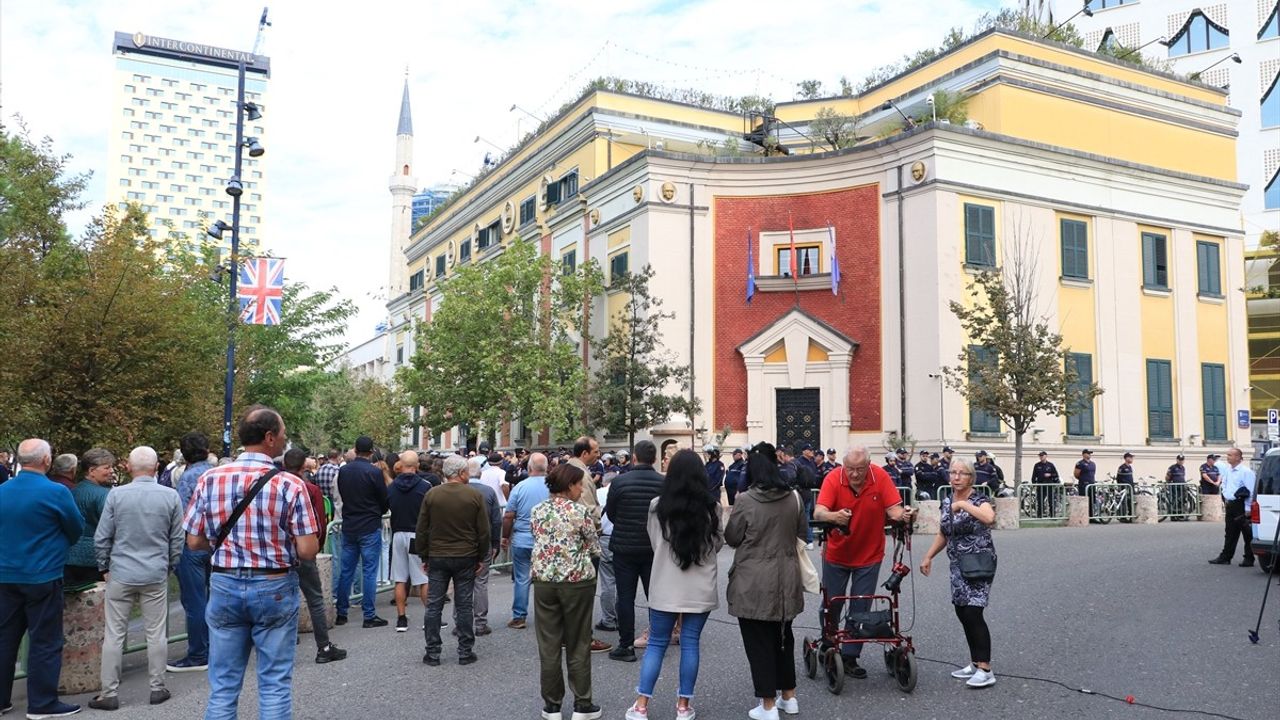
808 573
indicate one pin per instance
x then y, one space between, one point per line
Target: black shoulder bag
241 506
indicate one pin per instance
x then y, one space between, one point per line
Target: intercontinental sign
192 51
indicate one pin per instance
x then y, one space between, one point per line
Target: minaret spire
402 185
406 118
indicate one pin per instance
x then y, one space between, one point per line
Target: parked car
1265 513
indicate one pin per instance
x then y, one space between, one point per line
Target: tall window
1214 388
618 266
1208 268
1155 261
440 263
1159 399
569 262
464 251
1197 35
981 420
1104 4
416 280
1080 412
1271 28
1271 105
528 209
979 235
1075 248
563 189
488 236
1271 196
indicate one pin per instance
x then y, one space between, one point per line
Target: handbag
871 624
979 566
808 573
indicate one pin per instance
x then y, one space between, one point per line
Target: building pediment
792 338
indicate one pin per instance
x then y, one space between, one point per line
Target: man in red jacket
308 573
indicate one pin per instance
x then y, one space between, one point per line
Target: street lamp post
235 189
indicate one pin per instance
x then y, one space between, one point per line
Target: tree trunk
1017 459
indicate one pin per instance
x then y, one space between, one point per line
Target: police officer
1124 473
891 466
1084 472
733 476
906 471
1046 473
928 475
831 463
1209 478
1176 479
944 463
715 470
984 473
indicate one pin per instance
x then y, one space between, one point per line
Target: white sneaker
982 678
637 713
808 546
759 713
965 672
686 713
789 707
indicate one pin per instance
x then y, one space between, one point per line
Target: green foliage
635 373
502 345
344 407
950 106
835 129
1026 372
808 89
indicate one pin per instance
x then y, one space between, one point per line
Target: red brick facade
855 213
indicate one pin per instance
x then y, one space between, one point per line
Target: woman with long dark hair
765 589
684 530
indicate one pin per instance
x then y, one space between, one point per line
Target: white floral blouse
564 541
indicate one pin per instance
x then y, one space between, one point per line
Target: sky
338 69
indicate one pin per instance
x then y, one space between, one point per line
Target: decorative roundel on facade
918 171
595 217
637 193
508 217
668 191
450 254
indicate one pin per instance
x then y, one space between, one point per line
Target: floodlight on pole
888 105
1087 13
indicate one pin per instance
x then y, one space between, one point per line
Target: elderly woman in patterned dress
966 529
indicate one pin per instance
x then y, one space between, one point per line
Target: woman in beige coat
765 590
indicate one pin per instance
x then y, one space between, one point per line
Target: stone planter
1146 510
928 518
1007 513
1077 511
84 622
1212 508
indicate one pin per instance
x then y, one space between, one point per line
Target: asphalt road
1118 609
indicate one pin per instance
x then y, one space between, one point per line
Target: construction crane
263 24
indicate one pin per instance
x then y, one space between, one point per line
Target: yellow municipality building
1120 181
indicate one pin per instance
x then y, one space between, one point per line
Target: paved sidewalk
1119 609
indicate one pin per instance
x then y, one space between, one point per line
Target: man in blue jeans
190 570
38 524
253 589
517 535
364 501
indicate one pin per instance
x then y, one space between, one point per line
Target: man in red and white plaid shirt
253 588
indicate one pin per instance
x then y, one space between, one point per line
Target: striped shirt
327 479
264 536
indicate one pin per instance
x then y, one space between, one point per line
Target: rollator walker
875 626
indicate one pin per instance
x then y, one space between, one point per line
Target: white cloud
337 71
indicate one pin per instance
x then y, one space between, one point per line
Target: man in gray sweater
138 541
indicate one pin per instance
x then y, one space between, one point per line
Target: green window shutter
1080 413
1213 384
980 420
1155 261
1208 268
1159 399
1075 248
979 235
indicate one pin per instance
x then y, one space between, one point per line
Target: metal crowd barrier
1110 501
1042 501
1177 500
333 546
905 495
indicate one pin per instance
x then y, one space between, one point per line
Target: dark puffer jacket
628 510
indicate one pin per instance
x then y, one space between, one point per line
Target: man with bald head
517 535
138 542
857 497
38 523
405 497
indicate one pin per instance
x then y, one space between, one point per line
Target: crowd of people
241 536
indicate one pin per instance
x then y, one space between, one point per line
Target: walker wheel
810 658
834 666
890 662
905 670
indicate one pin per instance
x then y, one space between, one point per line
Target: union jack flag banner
260 291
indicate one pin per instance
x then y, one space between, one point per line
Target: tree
835 129
344 407
635 374
1016 366
947 105
809 89
500 345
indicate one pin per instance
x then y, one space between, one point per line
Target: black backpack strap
243 505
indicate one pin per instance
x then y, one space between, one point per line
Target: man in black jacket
364 500
802 476
405 498
1046 473
628 509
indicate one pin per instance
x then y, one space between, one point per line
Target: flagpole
794 265
233 315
